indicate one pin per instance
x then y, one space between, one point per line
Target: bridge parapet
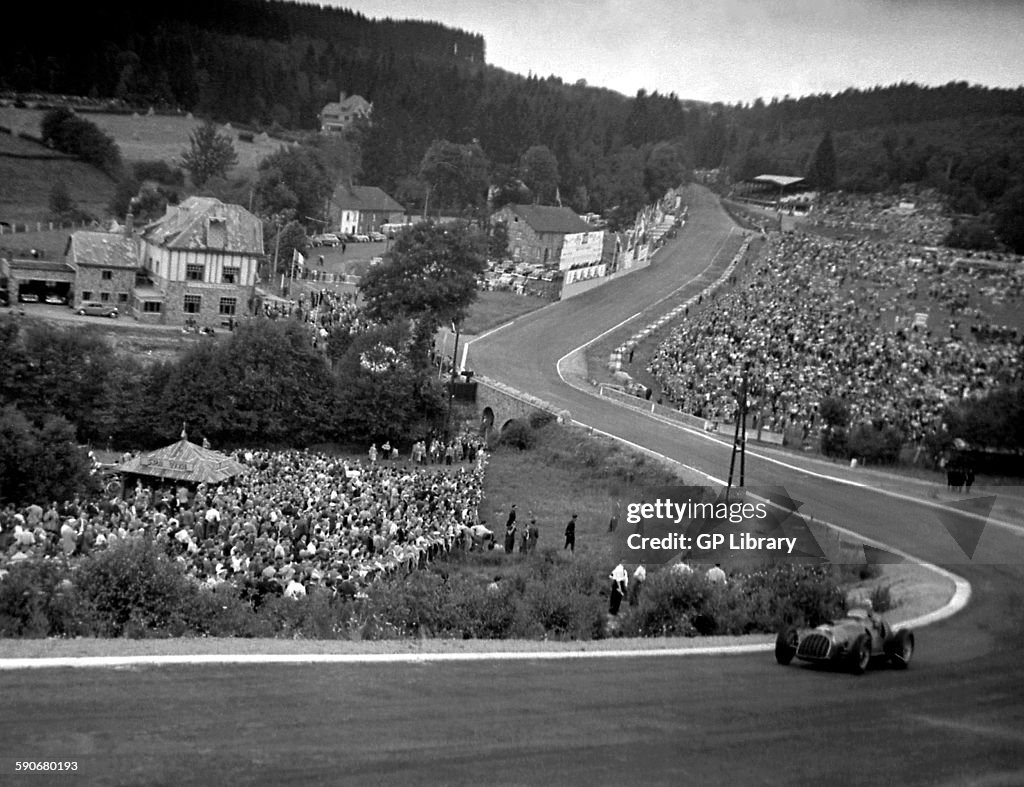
499 404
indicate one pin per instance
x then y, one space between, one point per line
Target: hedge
133 589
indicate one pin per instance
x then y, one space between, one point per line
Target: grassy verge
496 307
568 471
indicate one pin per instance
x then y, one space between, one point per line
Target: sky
737 50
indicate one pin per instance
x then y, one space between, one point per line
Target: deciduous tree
538 169
211 154
430 276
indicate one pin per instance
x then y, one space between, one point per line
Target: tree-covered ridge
900 104
276 64
243 60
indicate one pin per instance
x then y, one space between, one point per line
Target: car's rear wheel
786 644
900 648
860 655
81 312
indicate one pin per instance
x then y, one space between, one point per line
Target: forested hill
899 104
248 60
269 63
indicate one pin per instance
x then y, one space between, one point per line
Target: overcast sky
738 50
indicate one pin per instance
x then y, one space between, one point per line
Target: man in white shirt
620 580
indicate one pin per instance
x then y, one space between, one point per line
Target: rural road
955 717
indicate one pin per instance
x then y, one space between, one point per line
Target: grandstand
775 191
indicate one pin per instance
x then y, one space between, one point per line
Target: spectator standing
620 580
510 535
639 577
570 535
613 523
534 533
716 574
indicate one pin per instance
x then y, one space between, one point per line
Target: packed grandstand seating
817 317
295 520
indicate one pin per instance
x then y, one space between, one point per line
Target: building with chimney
198 263
338 115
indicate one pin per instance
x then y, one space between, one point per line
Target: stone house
537 233
105 266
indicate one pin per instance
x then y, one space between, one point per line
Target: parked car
56 300
360 238
325 239
378 237
28 297
97 309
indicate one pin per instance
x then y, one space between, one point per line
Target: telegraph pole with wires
739 442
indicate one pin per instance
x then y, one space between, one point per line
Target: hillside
28 172
145 137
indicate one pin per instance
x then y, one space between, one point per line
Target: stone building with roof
339 115
104 265
537 235
363 209
198 263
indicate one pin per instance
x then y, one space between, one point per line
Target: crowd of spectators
321 311
294 521
919 218
815 317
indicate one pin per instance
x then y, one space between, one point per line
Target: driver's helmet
861 607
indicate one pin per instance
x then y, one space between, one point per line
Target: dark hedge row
133 590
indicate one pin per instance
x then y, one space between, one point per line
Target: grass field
496 307
25 184
150 137
568 471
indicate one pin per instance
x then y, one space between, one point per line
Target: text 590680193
45 765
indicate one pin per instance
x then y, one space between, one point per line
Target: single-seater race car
852 642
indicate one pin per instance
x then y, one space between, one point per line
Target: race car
853 642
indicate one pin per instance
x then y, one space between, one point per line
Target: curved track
981 644
956 717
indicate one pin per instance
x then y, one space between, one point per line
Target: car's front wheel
81 312
900 648
860 655
786 644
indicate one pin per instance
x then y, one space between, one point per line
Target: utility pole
739 441
451 383
277 248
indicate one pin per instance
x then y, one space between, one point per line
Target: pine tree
210 155
822 173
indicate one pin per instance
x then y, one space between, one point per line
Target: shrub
135 589
673 604
881 598
875 445
516 434
35 601
158 171
68 133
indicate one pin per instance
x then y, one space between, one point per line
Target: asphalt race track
955 717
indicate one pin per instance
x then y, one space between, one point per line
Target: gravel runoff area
915 588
